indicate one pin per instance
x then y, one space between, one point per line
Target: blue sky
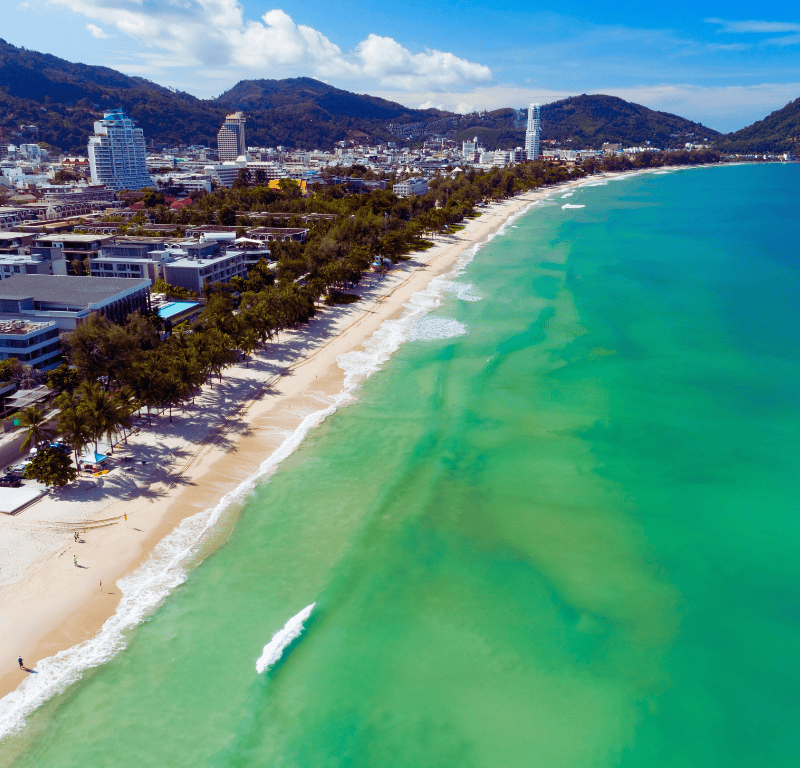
725 64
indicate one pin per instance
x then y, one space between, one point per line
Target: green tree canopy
52 466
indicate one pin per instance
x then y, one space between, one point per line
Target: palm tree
147 384
249 343
127 405
70 424
35 423
100 413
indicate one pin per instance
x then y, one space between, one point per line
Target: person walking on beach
75 561
21 664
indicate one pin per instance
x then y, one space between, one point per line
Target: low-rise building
12 217
68 300
268 234
30 264
69 246
195 272
32 342
411 187
15 243
224 174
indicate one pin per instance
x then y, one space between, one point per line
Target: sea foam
429 328
567 205
291 630
464 291
147 587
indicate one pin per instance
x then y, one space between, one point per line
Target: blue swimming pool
168 311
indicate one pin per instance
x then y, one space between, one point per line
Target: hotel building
117 156
230 138
533 133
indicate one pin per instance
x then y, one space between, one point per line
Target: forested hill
257 95
47 99
53 101
307 113
589 121
778 132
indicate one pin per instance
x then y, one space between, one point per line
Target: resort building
68 300
533 133
224 174
66 250
15 243
12 217
30 264
31 342
194 272
268 234
411 187
117 154
230 138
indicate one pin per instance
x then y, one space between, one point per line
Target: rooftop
14 236
74 238
22 327
61 289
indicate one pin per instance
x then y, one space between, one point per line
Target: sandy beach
173 471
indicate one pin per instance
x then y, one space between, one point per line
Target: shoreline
200 471
53 606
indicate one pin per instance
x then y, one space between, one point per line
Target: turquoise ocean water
559 528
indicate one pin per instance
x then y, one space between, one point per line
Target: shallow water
559 528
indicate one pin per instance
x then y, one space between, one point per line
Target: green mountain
592 120
778 132
589 121
307 113
53 101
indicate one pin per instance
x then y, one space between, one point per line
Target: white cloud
390 64
216 34
768 27
785 40
97 32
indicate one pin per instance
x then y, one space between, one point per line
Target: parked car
10 481
19 469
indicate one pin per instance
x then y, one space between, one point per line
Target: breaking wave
291 630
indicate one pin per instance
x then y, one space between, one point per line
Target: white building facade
230 138
117 156
411 187
532 134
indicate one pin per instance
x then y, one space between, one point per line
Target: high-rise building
532 134
117 155
230 138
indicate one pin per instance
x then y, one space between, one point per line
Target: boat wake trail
274 649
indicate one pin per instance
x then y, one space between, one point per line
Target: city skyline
717 66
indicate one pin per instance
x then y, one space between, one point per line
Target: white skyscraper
230 138
117 156
532 134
